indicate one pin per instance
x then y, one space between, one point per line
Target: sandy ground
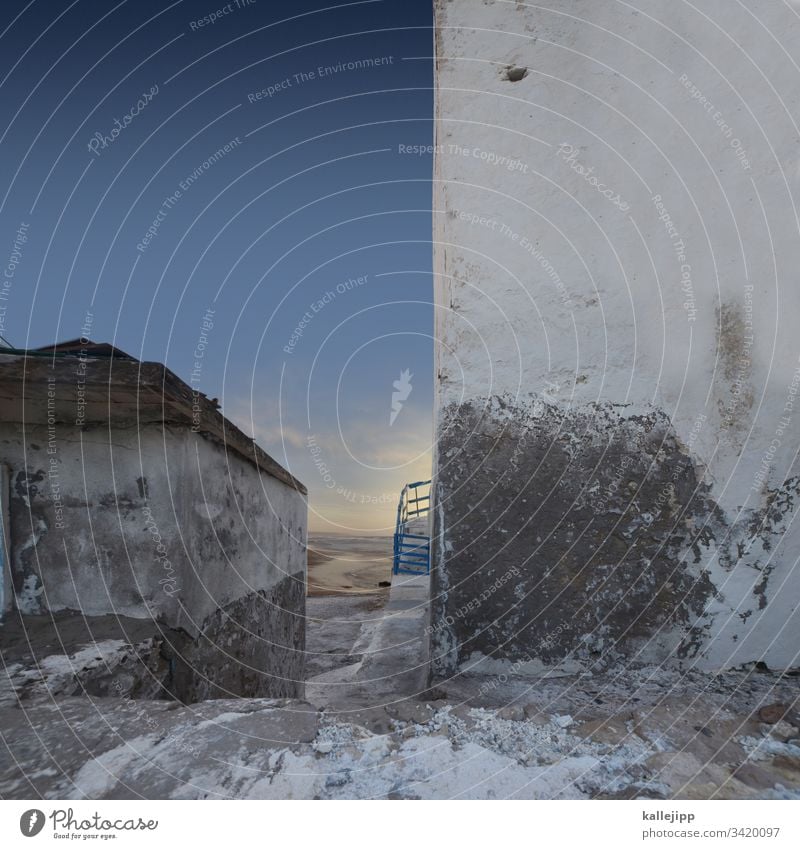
343 565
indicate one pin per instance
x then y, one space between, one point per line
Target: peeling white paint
550 293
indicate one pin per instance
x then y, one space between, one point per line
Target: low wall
160 523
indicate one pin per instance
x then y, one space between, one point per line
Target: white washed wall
619 227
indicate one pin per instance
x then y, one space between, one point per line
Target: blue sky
240 163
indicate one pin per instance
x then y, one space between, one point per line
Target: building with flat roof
127 493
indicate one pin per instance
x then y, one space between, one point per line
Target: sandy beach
345 565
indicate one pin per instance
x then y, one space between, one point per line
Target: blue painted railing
412 551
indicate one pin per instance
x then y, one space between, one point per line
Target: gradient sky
311 192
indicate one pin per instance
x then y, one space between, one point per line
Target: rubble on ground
556 743
653 732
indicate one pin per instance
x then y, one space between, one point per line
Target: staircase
412 544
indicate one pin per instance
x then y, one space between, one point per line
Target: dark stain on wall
583 534
28 518
255 647
735 393
252 648
602 516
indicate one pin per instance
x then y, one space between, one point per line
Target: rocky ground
646 733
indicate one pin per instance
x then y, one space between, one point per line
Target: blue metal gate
412 550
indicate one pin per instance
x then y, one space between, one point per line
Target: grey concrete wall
6 587
616 234
162 524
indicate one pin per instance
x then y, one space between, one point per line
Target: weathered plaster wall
616 246
163 524
6 587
